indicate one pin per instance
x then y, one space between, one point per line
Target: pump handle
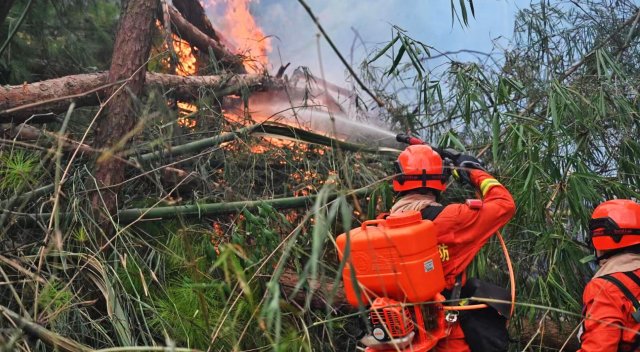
371 222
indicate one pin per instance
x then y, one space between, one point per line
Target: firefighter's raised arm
497 203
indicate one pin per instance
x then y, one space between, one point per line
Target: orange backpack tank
397 258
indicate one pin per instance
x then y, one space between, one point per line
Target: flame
241 28
186 60
184 111
186 67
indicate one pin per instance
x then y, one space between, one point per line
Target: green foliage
58 38
188 312
19 170
54 298
260 231
554 122
463 11
555 118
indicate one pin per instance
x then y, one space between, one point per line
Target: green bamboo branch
25 197
198 145
273 129
282 130
161 213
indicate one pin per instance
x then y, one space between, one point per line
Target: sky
294 36
294 33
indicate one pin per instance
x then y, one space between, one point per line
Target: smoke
305 104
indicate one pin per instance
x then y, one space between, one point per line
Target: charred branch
193 12
202 41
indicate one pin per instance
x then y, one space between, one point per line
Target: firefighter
611 308
463 228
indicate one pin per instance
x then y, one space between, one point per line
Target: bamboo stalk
198 145
281 130
160 213
129 215
24 197
47 336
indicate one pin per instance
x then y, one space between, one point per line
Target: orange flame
240 26
184 111
186 67
186 60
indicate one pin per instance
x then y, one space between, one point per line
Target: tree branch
18 103
196 37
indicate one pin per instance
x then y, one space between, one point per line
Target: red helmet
419 166
615 224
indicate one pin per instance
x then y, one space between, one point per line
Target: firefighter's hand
469 162
463 164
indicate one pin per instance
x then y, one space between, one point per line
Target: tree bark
55 95
196 37
193 12
128 62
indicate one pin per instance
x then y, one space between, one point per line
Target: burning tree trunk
195 36
194 13
128 61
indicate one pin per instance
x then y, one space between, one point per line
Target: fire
184 111
240 26
186 67
186 60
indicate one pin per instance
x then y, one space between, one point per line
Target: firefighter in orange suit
462 228
611 308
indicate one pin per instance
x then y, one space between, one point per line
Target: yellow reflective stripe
487 184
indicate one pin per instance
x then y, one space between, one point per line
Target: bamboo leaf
384 49
396 61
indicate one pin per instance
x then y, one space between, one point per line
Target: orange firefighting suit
462 231
608 324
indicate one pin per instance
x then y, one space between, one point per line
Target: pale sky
426 20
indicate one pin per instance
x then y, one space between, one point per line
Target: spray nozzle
405 138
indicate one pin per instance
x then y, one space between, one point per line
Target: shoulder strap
625 290
431 212
633 276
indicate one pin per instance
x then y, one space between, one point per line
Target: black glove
463 163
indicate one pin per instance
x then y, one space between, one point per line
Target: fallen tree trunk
18 103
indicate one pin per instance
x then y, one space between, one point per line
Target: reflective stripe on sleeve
486 185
